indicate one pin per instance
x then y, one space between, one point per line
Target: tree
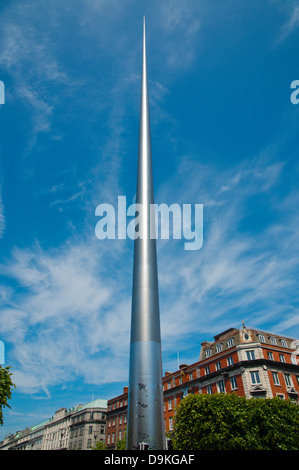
230 422
99 445
6 386
122 443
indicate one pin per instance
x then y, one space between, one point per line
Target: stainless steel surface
145 402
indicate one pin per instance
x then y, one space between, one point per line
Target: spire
145 404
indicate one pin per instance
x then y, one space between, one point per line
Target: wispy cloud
2 218
291 24
246 270
27 55
64 318
182 22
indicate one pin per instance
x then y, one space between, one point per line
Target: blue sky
224 134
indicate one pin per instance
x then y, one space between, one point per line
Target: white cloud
291 24
181 21
28 56
238 274
2 218
67 315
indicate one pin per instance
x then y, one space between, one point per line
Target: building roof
98 403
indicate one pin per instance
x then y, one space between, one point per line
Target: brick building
116 422
246 361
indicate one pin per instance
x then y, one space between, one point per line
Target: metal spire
145 404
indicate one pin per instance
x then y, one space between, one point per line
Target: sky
224 134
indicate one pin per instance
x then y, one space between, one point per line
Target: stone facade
79 427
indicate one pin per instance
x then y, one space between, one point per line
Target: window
230 361
230 342
119 435
208 352
191 376
207 370
293 360
170 424
233 383
250 355
209 390
273 340
284 343
282 358
275 378
90 430
270 356
255 377
218 347
261 338
218 365
280 396
221 386
169 405
287 379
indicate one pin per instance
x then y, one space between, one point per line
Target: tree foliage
6 386
230 422
99 445
122 443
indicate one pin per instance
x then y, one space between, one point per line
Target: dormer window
208 352
230 342
218 347
261 338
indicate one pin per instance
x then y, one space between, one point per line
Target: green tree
6 386
122 443
229 422
99 445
